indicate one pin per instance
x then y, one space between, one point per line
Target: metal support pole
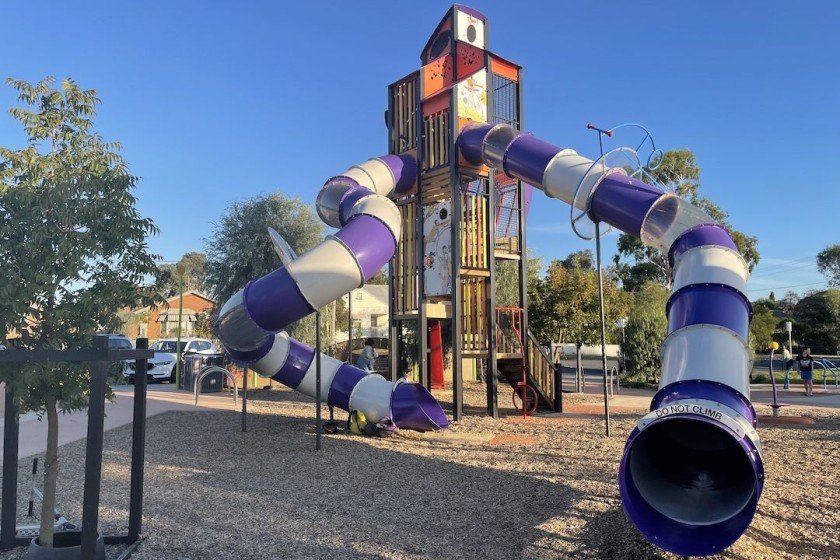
603 325
244 400
350 327
11 431
93 450
179 354
138 445
558 387
318 421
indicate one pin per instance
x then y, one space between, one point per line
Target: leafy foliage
239 248
645 331
193 264
818 321
636 263
565 305
762 328
506 278
828 262
73 250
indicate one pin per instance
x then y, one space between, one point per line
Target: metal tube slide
250 323
691 473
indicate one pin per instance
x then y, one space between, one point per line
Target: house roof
174 299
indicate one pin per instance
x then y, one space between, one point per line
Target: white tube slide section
322 284
329 367
708 264
568 170
706 352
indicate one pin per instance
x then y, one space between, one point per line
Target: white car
162 366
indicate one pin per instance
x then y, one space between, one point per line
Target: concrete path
72 427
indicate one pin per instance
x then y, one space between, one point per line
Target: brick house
162 321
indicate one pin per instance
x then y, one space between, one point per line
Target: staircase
510 361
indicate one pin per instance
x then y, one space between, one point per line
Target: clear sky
218 101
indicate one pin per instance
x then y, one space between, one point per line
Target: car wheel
173 375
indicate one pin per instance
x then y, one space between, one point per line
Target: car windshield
167 346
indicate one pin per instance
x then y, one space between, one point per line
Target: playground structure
441 207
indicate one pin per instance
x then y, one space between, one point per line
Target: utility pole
180 270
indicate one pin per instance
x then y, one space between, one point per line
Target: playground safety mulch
543 488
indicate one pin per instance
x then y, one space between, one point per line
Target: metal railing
827 365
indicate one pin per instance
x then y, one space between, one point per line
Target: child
367 356
806 370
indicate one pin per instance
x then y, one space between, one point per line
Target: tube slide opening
413 407
692 471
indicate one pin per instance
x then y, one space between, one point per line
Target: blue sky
218 101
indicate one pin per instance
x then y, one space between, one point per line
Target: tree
73 250
645 331
565 305
240 250
828 262
506 279
637 263
194 265
762 328
579 259
818 321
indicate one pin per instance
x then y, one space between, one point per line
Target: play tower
458 220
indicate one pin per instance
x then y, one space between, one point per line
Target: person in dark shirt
806 369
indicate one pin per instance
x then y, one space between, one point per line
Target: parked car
162 367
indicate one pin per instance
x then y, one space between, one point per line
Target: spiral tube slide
691 473
250 323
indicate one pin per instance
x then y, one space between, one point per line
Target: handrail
207 370
822 364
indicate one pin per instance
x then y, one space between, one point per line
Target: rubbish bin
212 382
193 364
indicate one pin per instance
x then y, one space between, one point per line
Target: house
162 321
369 312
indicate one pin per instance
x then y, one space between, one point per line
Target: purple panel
527 157
470 141
404 168
297 362
350 198
243 358
529 193
623 202
711 304
706 234
414 408
345 380
708 390
274 301
681 538
471 11
370 241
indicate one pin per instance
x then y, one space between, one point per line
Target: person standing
367 356
788 358
806 369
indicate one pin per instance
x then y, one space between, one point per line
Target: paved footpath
73 426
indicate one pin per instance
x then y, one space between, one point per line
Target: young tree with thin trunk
73 251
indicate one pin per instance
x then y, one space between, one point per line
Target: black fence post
138 445
558 387
8 510
93 448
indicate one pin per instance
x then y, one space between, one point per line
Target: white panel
707 352
380 174
563 174
271 363
382 208
474 36
372 395
326 273
328 368
709 264
360 176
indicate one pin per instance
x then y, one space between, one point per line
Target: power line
785 287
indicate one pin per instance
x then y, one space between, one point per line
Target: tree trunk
50 475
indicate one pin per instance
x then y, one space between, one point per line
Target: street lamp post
789 329
179 354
